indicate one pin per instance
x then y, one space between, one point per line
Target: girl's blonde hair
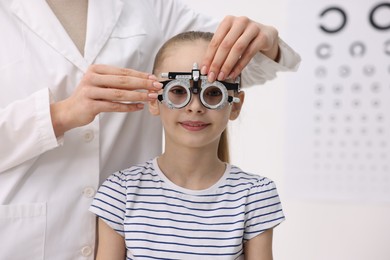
223 146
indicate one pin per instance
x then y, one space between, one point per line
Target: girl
188 203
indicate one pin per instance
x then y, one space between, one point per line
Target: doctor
59 137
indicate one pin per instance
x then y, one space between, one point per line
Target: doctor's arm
25 130
238 43
259 247
111 245
35 124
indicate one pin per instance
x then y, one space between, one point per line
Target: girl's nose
195 105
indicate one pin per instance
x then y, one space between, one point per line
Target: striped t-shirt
160 220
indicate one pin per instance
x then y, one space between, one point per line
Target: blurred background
322 133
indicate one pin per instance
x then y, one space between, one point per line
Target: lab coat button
86 251
89 192
88 136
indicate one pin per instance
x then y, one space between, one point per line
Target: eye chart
338 103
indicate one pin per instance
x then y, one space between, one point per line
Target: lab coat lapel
102 18
37 15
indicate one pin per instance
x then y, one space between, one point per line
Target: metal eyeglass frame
183 79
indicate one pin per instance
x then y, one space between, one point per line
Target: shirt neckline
178 188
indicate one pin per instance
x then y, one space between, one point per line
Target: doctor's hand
103 89
235 42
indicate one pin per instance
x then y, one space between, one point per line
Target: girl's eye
178 91
214 92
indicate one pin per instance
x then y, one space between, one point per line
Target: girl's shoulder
238 175
135 174
248 183
141 168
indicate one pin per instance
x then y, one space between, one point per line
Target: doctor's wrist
58 119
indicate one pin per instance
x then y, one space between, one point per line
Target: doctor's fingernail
203 71
152 77
157 84
211 77
221 76
152 95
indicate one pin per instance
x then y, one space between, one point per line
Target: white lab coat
47 184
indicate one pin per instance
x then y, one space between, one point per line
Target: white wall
314 230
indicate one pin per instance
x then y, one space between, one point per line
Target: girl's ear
236 107
154 108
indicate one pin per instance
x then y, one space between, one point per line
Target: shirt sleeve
263 208
109 203
26 130
261 68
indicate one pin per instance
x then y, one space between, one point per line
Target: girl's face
193 125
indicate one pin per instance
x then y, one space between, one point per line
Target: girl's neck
191 168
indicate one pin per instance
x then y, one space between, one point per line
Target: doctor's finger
215 42
122 82
112 70
232 43
120 95
107 106
246 57
243 49
221 56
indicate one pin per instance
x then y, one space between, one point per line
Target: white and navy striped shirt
160 220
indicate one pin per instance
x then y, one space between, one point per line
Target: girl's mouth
194 125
